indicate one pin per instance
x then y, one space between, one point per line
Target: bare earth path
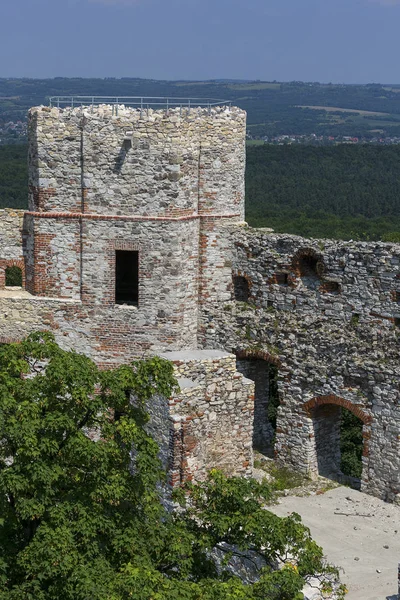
374 540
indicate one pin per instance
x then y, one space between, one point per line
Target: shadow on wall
120 158
266 401
338 444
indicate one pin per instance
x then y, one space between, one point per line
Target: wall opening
241 288
13 276
330 287
309 266
339 444
266 401
127 277
282 278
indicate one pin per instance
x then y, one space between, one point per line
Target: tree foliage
351 444
81 515
13 176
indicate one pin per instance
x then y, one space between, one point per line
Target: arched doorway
340 433
262 368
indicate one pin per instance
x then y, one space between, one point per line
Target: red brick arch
333 399
260 354
356 410
238 273
11 262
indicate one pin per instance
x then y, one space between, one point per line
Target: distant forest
342 192
13 176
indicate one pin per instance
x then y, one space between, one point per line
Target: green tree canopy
81 516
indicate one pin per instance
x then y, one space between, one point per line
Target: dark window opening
331 287
309 267
13 276
241 288
127 277
396 296
396 322
282 278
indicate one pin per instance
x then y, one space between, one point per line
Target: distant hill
273 108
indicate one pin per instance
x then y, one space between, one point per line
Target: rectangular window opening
282 278
127 277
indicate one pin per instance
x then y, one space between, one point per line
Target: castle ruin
135 244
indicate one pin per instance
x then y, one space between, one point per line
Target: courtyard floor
367 548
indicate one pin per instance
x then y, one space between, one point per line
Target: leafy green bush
13 276
351 444
79 521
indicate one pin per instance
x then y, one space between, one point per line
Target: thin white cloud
386 2
115 2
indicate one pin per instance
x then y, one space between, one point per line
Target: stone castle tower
134 244
125 211
123 246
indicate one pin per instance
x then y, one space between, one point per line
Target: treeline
337 192
13 176
342 192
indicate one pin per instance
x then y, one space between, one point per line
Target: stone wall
335 344
160 183
151 162
11 223
170 186
212 416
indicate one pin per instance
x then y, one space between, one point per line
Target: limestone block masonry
163 192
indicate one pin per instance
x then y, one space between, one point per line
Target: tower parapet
180 162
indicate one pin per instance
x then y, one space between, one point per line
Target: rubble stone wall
150 162
339 347
212 416
161 183
169 185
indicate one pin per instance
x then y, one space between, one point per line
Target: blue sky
349 41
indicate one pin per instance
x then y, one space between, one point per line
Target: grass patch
254 142
283 477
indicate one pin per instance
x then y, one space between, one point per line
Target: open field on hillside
348 110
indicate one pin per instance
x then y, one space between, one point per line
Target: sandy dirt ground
367 548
